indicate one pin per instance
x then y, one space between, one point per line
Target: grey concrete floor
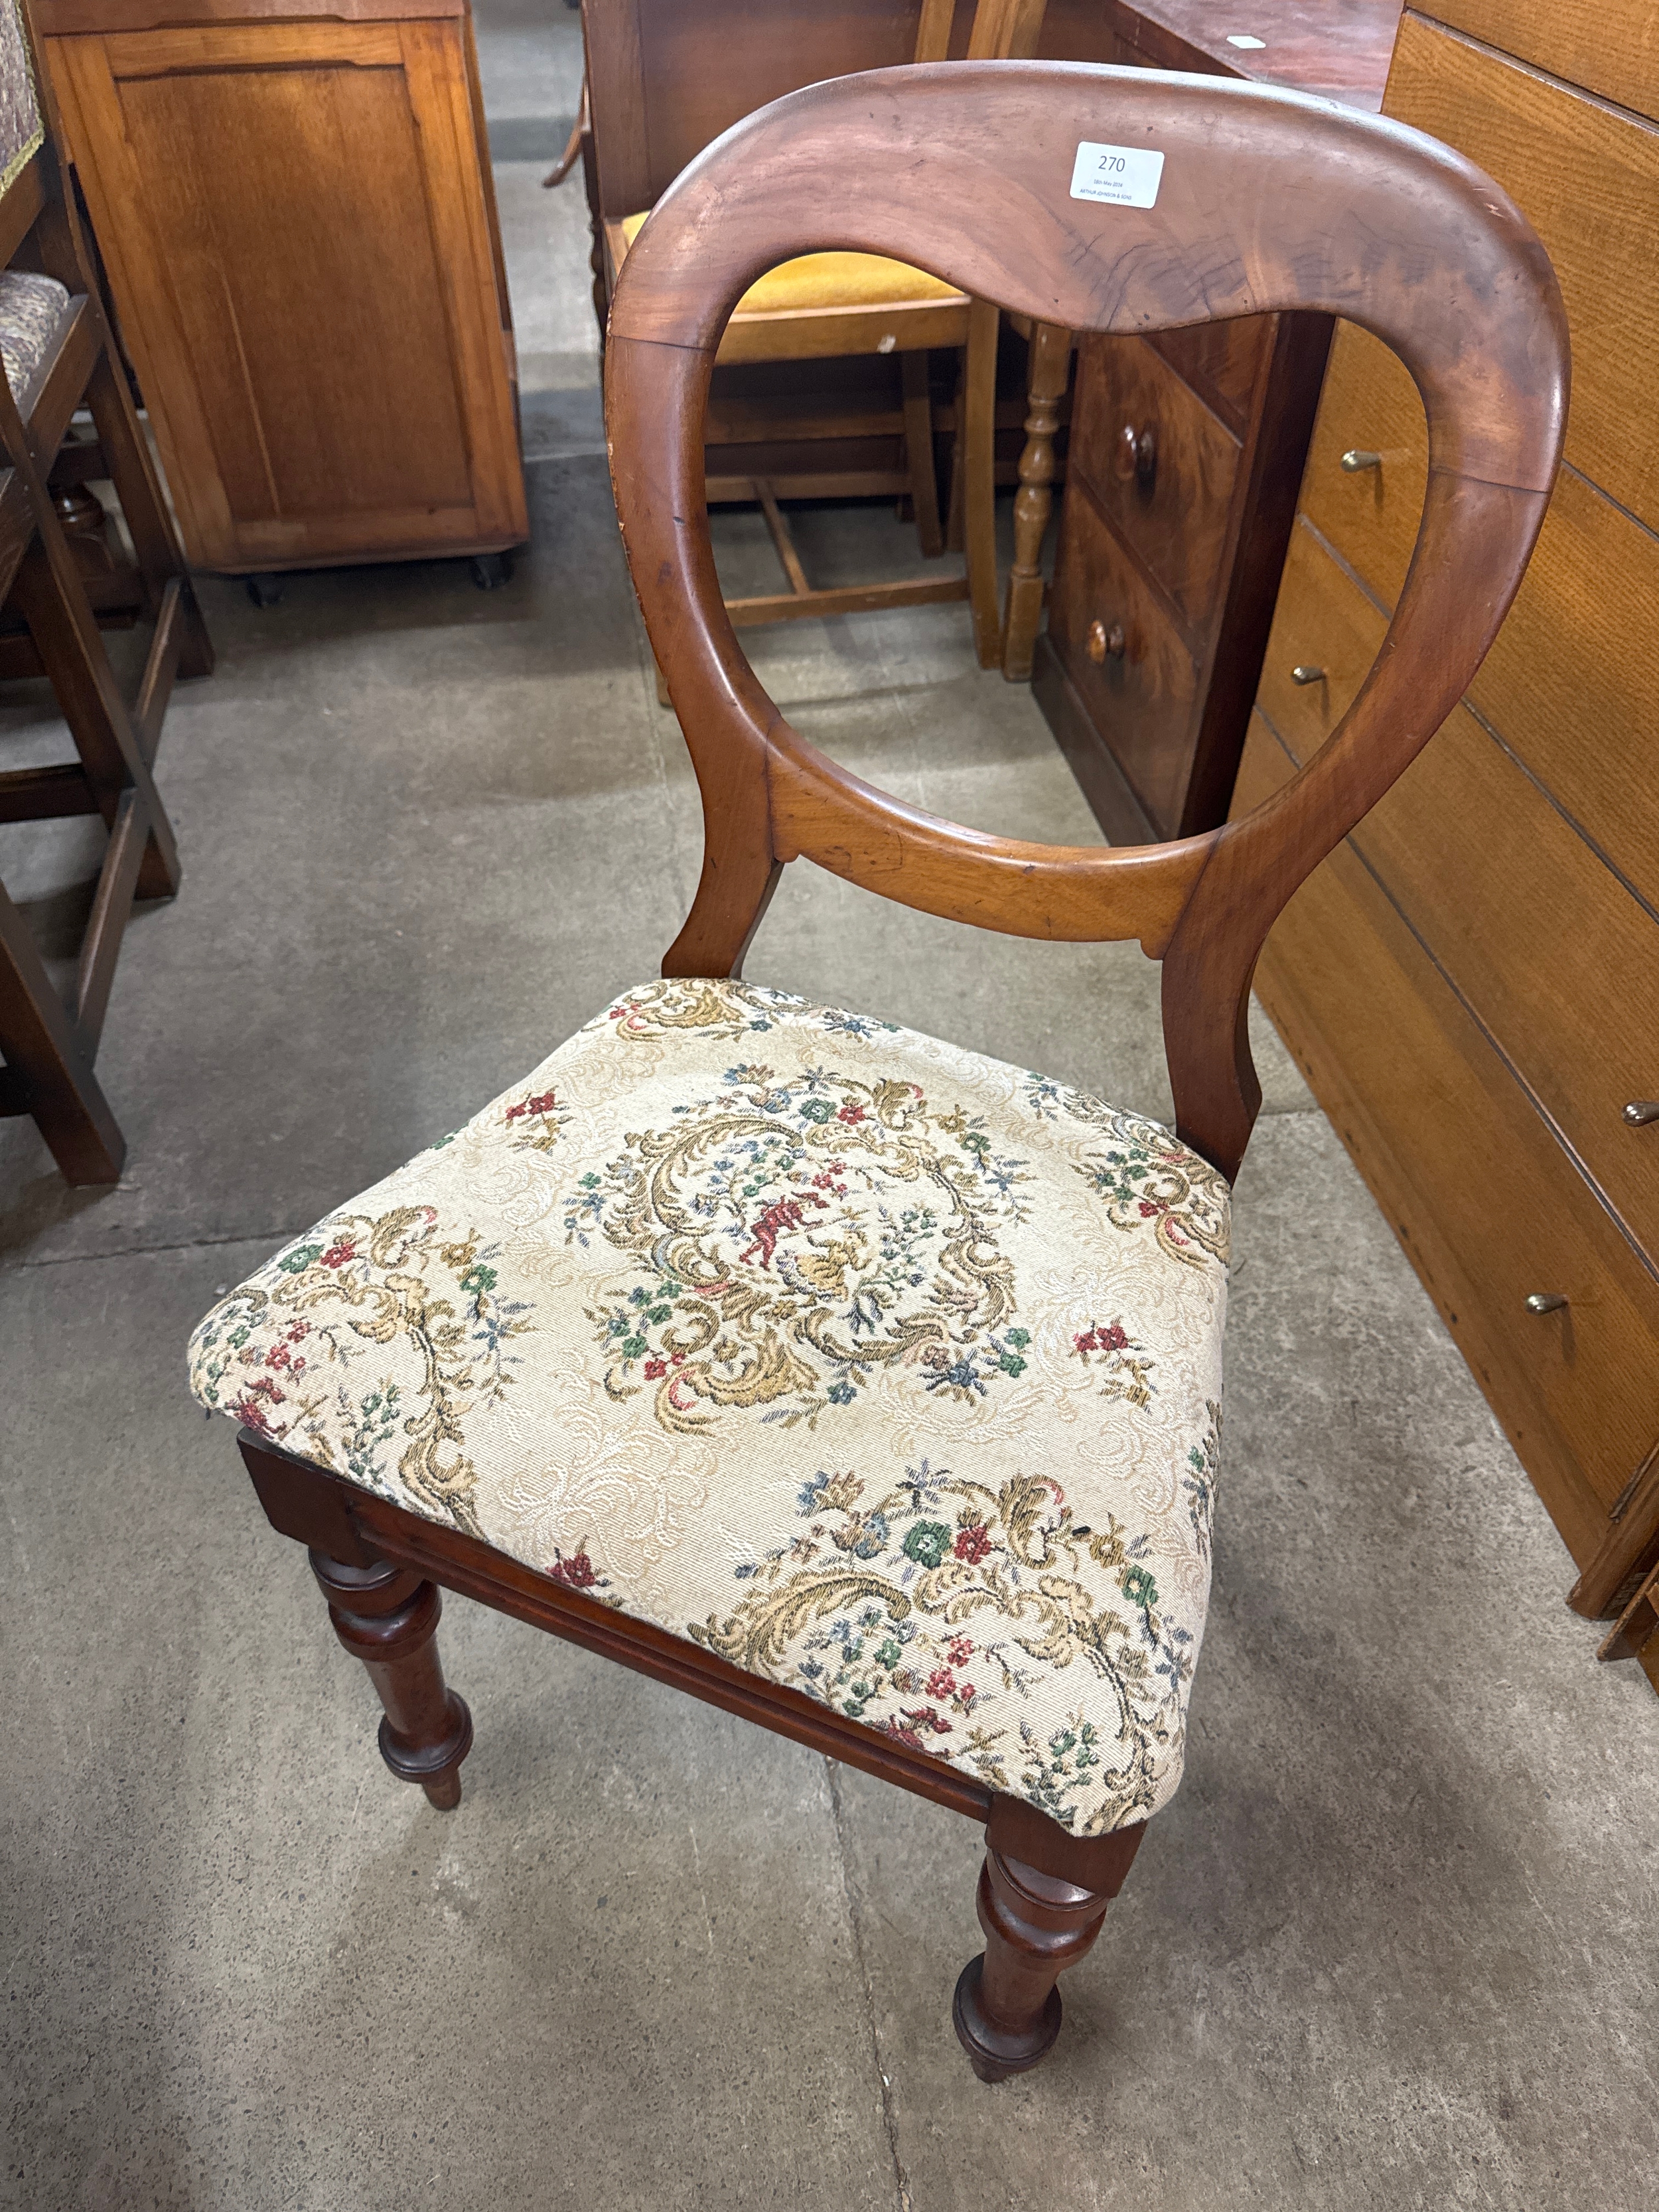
1393 1945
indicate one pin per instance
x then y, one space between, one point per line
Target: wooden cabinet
295 214
1185 453
1472 983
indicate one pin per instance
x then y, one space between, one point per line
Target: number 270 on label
1122 176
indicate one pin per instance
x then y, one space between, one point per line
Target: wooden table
1185 454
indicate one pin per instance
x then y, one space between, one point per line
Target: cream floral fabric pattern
882 1369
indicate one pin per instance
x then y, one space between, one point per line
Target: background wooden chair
1248 201
60 357
664 79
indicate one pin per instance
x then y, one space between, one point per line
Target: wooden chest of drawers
1184 455
1471 984
1178 505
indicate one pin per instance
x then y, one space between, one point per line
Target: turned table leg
1007 2009
388 1616
1050 365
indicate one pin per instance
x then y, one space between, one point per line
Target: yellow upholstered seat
830 280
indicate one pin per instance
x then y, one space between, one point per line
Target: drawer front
1560 961
1486 1204
1588 178
1221 361
1369 406
1616 56
1161 465
1572 681
1138 682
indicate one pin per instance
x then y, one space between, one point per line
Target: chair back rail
1267 200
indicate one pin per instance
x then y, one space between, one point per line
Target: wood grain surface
1561 962
299 238
1484 1202
1588 178
1611 51
1580 650
1172 509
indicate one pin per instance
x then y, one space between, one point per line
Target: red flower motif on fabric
961 1652
972 1544
575 1573
941 1683
1113 1338
655 1369
908 1725
850 1113
341 1254
543 1104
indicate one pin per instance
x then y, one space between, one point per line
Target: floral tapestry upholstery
31 309
883 1370
20 113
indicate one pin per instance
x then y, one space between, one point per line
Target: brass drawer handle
1305 672
1543 1302
1357 459
1103 641
1641 1111
1136 455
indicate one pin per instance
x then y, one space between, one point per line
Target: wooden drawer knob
1356 458
1546 1302
1136 455
1641 1111
1103 641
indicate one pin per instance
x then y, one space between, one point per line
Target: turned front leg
1007 2009
1050 365
388 1616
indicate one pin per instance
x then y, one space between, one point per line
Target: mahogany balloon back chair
861 1385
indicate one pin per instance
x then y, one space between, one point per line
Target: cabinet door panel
294 221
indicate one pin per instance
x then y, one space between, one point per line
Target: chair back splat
1263 200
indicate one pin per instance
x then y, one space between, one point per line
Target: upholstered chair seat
830 280
882 1369
33 311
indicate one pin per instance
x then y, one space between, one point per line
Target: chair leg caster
266 590
997 2053
491 570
